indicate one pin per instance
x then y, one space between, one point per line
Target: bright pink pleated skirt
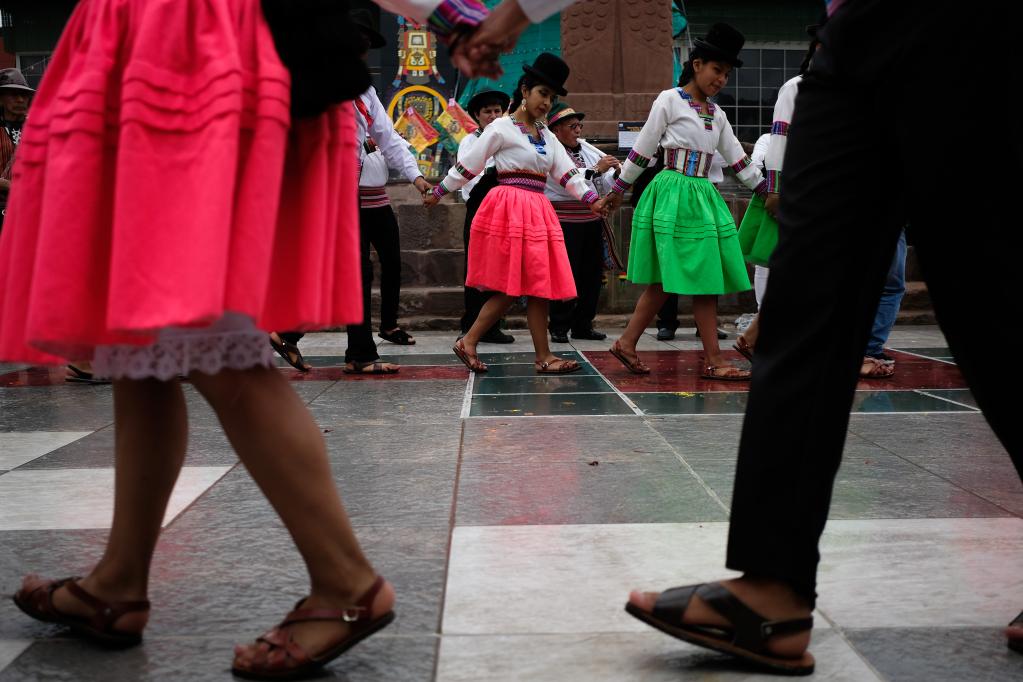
161 182
516 246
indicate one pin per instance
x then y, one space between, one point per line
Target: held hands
422 185
602 207
429 199
771 204
480 63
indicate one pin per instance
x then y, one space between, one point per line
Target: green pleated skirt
758 233
684 238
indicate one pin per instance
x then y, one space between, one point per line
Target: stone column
620 55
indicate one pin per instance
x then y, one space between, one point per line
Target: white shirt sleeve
734 155
647 141
538 10
393 145
760 149
472 163
783 110
565 172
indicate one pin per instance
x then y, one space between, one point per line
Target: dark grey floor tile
874 484
930 654
711 436
240 581
72 407
207 446
382 657
50 553
935 435
348 404
536 493
993 478
419 443
563 439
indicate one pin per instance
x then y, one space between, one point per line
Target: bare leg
752 331
705 310
650 301
151 435
536 318
492 311
283 449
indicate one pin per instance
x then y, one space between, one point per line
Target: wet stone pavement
514 512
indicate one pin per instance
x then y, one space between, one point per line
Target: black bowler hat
722 44
551 70
364 20
481 99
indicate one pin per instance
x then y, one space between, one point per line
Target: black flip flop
285 350
398 336
746 639
80 376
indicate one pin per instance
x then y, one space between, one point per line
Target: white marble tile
62 499
637 657
922 572
571 578
19 447
10 649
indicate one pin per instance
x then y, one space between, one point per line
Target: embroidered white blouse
463 148
676 122
392 149
515 150
586 161
784 107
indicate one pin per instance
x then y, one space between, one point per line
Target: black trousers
585 245
667 316
378 229
474 298
856 170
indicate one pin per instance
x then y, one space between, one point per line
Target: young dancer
485 108
516 246
150 289
683 236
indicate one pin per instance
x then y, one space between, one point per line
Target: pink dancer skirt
516 246
160 183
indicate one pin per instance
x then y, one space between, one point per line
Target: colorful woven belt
534 182
373 197
689 162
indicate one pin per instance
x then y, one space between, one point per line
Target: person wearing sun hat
517 247
584 232
485 108
683 235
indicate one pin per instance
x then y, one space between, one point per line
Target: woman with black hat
485 108
516 244
683 235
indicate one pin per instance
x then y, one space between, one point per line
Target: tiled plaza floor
513 513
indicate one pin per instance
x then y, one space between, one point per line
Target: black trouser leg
385 239
836 243
562 313
361 347
667 316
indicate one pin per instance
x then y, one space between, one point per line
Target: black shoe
590 334
722 334
496 336
665 334
559 337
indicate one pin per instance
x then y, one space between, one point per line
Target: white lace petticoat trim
232 342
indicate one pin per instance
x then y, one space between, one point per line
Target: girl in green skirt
684 240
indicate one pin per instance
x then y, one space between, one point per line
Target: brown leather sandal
725 373
286 660
473 362
635 366
558 366
38 603
743 348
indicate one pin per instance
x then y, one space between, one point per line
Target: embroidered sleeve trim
761 189
439 190
620 187
638 159
568 176
590 197
452 16
742 164
464 172
780 128
773 181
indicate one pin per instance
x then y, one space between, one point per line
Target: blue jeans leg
891 298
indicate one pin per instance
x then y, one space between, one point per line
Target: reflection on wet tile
529 370
959 395
521 441
956 572
523 358
61 408
350 404
18 448
690 403
570 383
81 498
902 401
594 492
935 352
547 405
925 654
637 657
207 446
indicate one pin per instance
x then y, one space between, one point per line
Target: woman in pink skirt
178 153
516 246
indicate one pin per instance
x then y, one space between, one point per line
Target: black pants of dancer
667 316
856 170
585 245
474 298
379 229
